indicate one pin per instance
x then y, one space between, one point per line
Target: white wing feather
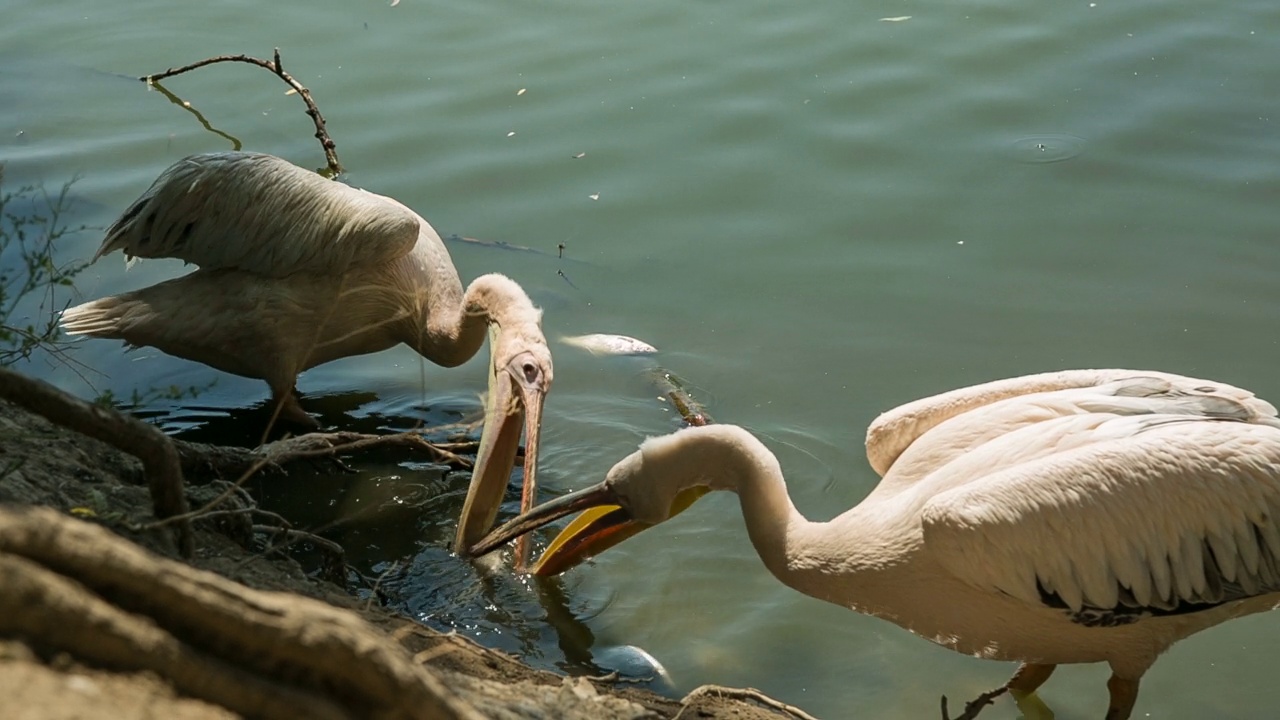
1145 511
261 214
896 430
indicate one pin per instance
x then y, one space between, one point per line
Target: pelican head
650 486
520 374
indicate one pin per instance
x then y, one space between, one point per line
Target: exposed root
160 461
748 694
63 616
614 677
200 459
335 557
164 459
218 460
210 636
331 444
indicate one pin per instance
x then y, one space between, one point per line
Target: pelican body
1072 517
295 271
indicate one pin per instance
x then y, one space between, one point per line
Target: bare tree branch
326 142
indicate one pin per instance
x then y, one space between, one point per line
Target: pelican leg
290 411
1124 693
1023 686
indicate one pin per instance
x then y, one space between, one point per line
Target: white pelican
1072 517
296 271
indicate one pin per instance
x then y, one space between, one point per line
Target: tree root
335 556
210 636
159 459
200 459
314 445
749 694
71 619
165 460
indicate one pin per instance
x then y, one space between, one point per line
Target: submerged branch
672 389
974 706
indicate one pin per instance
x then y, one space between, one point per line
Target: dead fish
603 344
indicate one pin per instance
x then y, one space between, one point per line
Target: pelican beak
602 524
516 393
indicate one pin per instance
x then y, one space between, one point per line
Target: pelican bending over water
295 271
1071 517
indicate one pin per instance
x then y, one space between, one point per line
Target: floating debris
579 155
521 91
500 244
900 18
1047 148
605 344
594 196
511 134
673 390
566 279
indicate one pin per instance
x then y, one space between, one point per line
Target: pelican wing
1139 514
894 431
261 214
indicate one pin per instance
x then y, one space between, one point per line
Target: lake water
816 212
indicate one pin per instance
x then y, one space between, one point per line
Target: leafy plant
31 224
138 399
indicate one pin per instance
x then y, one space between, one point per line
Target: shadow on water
395 513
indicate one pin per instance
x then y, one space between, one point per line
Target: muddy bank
102 618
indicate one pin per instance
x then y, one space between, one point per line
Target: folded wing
261 214
890 434
1152 513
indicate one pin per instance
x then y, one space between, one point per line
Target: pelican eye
530 372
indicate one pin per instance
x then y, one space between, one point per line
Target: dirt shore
50 670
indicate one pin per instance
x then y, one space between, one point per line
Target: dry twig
276 455
335 566
330 444
209 506
275 66
376 586
200 459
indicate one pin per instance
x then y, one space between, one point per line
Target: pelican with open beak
612 511
519 378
